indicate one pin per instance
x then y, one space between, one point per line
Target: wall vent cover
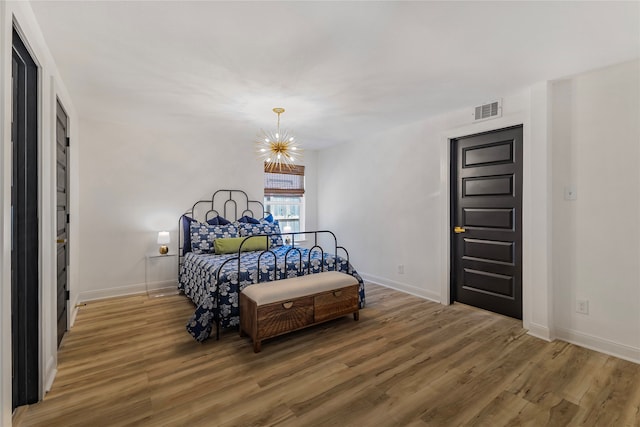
490 110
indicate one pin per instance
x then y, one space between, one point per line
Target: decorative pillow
203 236
186 230
218 220
231 245
268 218
267 222
252 229
222 221
248 220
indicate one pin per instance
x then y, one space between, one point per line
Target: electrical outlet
401 269
582 306
570 192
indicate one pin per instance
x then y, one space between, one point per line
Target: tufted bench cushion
296 287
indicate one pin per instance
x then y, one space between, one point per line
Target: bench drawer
330 305
280 317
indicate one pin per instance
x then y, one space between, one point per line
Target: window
284 196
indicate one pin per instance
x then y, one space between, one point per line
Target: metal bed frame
199 212
199 209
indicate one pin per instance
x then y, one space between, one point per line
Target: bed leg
217 331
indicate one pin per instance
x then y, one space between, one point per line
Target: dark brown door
62 224
487 221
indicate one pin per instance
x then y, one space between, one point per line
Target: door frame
537 303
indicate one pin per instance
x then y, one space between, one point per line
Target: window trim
293 192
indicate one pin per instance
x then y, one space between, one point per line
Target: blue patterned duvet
198 281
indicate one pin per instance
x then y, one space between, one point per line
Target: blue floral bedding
198 281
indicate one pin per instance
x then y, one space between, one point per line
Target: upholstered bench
275 308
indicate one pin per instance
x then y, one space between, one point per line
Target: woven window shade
284 182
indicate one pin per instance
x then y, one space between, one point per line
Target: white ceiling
341 69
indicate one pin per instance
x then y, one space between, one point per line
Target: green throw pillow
232 244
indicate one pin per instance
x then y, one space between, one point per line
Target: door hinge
67 218
67 295
68 141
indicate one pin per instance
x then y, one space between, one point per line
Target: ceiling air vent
489 110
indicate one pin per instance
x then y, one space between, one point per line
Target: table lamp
163 240
287 229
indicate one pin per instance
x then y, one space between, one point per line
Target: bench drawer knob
287 304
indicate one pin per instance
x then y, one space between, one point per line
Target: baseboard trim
402 287
73 311
162 286
50 374
540 331
121 291
622 351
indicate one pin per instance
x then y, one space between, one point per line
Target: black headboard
229 204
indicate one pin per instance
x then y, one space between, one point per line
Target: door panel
488 186
490 283
488 218
486 196
62 203
491 154
488 250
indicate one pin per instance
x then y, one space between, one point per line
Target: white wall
380 197
50 87
596 148
387 198
136 181
311 184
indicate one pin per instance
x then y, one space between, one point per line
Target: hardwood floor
406 362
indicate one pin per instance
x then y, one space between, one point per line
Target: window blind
284 182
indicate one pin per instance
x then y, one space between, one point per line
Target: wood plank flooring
406 362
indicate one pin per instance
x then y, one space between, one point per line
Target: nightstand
160 274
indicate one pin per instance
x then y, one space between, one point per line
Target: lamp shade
286 229
163 237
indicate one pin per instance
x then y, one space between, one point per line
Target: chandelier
278 149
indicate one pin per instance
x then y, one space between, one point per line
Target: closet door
25 307
62 218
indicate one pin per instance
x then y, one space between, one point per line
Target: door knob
458 230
